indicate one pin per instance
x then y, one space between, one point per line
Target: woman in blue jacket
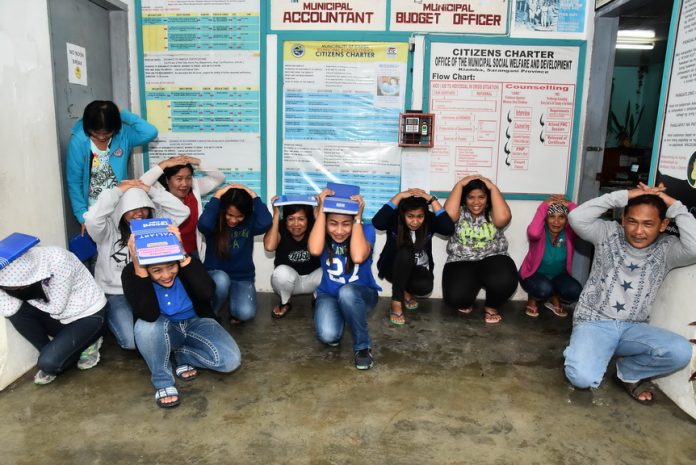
229 222
99 150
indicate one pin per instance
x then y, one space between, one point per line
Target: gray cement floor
445 390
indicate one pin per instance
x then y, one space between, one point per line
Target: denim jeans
540 287
643 351
200 342
241 294
287 282
69 340
351 306
119 319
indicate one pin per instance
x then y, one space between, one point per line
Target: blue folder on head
83 246
14 246
341 201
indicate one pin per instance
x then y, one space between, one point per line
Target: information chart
341 104
202 74
505 112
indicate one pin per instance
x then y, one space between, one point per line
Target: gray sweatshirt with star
624 280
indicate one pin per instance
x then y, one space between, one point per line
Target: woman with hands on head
347 291
172 306
176 175
407 258
545 271
477 255
108 223
229 222
296 270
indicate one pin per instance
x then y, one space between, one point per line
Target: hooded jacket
70 290
102 220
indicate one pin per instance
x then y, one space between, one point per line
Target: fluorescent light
635 46
636 34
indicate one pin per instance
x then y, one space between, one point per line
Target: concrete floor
444 390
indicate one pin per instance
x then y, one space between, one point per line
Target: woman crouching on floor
172 304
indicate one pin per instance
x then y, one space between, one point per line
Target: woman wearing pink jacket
545 271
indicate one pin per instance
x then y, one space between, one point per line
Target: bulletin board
339 106
507 109
201 83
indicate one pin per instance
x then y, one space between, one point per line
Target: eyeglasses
101 136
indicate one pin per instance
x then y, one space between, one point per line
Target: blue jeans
119 319
241 294
643 351
351 306
59 344
540 287
200 342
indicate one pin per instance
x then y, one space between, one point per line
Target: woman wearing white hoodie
108 223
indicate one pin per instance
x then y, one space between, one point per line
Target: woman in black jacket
407 258
172 304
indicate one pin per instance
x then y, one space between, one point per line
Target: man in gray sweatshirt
630 262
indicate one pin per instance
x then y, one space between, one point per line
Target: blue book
14 246
341 201
83 246
154 243
295 199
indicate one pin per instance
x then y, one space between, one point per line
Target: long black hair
242 201
473 185
403 233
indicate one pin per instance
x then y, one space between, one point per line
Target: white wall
30 183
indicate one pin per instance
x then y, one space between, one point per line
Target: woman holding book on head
55 304
229 222
545 271
348 290
171 302
296 270
477 254
108 223
100 147
407 258
176 174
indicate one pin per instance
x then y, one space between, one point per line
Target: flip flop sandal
234 321
638 388
466 310
170 391
398 319
411 304
532 311
492 318
558 311
182 370
280 313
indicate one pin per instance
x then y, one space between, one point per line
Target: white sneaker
43 378
90 356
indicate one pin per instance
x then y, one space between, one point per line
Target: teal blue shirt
554 261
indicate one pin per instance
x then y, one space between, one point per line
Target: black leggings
405 275
462 281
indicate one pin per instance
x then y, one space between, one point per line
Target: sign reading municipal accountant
473 16
362 15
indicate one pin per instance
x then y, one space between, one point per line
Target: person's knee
580 377
421 286
231 360
347 295
679 353
328 334
571 292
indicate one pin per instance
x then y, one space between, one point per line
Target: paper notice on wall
77 64
558 19
341 104
472 17
352 15
505 112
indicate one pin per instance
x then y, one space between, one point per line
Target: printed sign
561 19
77 64
354 15
473 16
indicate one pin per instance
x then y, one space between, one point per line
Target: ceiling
644 14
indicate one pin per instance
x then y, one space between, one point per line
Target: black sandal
638 388
277 316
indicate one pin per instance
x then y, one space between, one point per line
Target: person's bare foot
532 308
491 316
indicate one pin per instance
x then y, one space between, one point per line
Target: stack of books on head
295 199
14 246
341 201
154 243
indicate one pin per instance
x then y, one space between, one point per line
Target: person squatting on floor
407 257
172 306
55 304
630 262
295 271
348 290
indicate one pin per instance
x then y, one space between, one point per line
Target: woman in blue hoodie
229 222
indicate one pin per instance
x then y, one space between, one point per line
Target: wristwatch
357 221
432 199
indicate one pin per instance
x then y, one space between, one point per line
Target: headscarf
556 208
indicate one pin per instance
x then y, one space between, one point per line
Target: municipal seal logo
298 50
